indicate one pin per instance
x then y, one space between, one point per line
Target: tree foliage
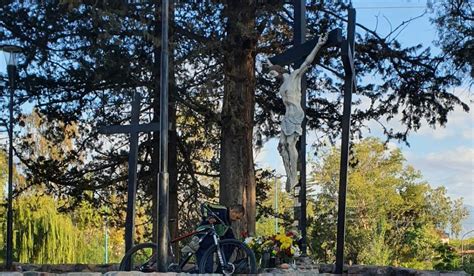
42 235
447 258
393 216
454 21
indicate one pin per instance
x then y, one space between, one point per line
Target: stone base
63 268
301 266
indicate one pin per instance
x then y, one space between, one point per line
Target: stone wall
307 269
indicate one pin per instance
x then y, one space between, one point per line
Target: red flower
244 234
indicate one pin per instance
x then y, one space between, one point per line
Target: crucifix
133 129
296 55
301 55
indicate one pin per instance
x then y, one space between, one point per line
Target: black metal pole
163 185
9 260
346 124
351 31
132 177
298 39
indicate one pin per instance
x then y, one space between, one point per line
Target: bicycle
226 256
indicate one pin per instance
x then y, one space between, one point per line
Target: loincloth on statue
289 128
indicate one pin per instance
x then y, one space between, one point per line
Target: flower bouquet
281 247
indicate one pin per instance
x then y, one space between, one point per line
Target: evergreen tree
454 23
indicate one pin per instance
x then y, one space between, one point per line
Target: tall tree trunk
237 181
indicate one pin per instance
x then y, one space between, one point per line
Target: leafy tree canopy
393 216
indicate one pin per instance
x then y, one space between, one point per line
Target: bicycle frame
208 232
178 267
185 260
215 237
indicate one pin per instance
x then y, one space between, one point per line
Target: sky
445 155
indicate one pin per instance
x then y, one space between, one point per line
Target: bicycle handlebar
214 214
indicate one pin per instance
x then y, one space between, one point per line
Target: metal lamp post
11 58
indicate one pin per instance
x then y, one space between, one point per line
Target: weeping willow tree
41 234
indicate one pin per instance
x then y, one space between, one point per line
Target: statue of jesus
290 91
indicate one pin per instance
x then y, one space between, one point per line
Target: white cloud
468 134
268 157
438 133
460 123
459 157
392 146
453 169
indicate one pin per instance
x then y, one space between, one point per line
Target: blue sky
445 155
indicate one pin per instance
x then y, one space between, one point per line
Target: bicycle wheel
239 259
141 258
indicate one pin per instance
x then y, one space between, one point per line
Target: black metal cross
300 52
134 129
347 54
